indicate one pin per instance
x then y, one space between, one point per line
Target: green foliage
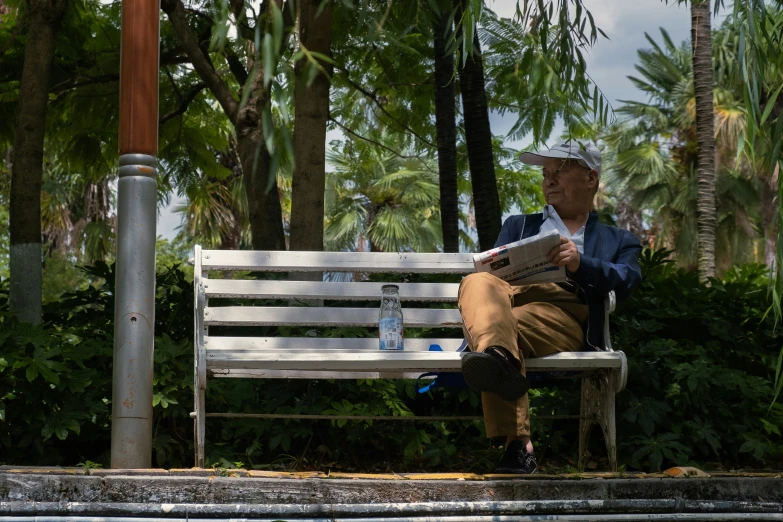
760 72
702 359
701 364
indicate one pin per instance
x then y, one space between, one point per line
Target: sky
609 63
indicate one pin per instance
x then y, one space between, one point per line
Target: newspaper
523 262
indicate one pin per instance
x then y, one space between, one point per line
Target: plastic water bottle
390 330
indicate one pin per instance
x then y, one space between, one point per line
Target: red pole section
139 77
134 303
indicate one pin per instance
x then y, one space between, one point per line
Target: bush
701 361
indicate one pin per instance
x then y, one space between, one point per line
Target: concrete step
78 494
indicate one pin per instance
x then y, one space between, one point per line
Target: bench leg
598 392
199 426
199 405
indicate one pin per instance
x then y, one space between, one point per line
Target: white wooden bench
604 373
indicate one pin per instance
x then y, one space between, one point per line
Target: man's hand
565 255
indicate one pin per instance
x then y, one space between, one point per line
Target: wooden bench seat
230 356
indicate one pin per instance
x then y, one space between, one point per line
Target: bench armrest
610 304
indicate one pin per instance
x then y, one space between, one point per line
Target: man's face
568 184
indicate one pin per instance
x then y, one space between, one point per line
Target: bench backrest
351 293
209 292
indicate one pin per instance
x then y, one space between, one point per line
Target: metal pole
134 307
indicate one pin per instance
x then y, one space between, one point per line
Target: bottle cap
390 287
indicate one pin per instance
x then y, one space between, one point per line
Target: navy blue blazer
610 262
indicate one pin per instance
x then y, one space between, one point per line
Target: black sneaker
516 460
490 371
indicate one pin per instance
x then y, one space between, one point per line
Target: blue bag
445 379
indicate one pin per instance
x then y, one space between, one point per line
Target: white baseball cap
584 152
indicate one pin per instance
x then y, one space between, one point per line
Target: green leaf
277 27
270 59
61 432
48 374
32 372
770 106
72 425
283 100
740 146
778 378
47 431
268 130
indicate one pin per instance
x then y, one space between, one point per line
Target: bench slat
316 316
392 361
375 361
301 374
224 288
322 344
370 262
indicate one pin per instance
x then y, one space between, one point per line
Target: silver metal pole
134 313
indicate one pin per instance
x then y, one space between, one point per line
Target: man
504 325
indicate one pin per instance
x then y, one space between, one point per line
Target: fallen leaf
685 471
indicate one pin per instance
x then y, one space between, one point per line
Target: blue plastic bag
443 379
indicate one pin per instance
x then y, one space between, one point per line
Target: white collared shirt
553 222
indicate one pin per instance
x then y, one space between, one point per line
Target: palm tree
77 214
701 40
652 157
378 200
207 216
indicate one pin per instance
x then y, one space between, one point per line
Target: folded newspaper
523 262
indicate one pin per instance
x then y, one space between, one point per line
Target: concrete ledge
378 511
35 470
184 487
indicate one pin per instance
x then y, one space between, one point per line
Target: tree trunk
263 198
446 128
478 138
311 109
701 39
44 17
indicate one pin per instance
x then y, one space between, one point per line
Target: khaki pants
528 321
